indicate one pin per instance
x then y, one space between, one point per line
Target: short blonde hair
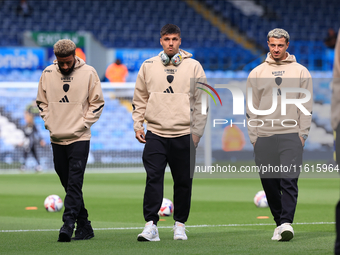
278 33
64 48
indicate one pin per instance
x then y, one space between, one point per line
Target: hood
79 63
288 60
185 54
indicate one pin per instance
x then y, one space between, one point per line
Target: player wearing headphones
166 97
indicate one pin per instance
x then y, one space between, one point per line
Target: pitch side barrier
113 143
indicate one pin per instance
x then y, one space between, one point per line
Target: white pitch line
188 226
28 230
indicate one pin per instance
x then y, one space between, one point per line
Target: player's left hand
302 141
140 136
196 139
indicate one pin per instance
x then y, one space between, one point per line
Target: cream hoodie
70 104
168 99
283 74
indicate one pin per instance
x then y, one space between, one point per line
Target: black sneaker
66 233
84 232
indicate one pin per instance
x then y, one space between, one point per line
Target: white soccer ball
166 208
260 199
53 203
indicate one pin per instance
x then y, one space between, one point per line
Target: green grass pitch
223 218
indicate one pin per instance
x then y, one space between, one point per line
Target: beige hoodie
283 74
70 104
335 105
168 99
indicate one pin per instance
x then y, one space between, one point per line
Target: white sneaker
286 232
276 236
179 231
150 233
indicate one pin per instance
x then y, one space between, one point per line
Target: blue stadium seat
135 24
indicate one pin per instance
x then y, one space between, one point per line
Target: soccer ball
260 199
167 208
53 203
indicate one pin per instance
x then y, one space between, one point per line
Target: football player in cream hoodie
279 135
70 101
166 96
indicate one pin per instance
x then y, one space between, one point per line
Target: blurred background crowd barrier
227 37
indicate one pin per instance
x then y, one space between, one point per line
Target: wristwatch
304 137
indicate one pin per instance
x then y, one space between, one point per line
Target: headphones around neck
175 60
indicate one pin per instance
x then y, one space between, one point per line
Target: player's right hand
140 136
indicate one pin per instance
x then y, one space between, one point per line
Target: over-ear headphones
176 59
